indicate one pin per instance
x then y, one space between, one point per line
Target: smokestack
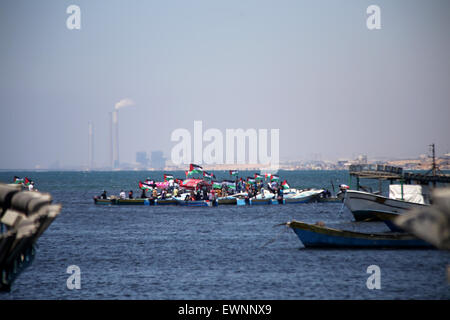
114 130
115 121
111 140
91 145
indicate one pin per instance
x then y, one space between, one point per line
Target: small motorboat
318 235
301 196
388 219
364 205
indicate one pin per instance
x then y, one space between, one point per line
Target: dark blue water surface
228 252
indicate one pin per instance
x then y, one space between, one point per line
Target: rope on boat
341 211
278 235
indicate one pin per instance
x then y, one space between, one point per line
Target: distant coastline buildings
141 159
157 161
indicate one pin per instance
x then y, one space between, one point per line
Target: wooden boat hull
139 201
319 236
102 201
201 203
230 201
306 199
197 203
255 202
364 205
329 200
388 219
165 202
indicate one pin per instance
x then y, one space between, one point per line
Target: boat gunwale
352 193
348 233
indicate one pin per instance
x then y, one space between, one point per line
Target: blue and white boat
315 235
388 219
197 203
364 205
293 196
136 201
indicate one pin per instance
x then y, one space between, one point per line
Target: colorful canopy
194 183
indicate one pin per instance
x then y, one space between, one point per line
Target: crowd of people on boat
203 191
26 183
174 188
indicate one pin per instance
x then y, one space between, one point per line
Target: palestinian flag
285 185
229 184
179 181
234 172
17 180
168 177
251 180
27 182
216 185
186 173
190 173
258 176
209 176
195 168
144 186
274 178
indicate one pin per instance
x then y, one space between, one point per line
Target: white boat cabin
410 193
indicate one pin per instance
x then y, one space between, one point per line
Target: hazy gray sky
310 68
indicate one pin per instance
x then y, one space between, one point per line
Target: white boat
265 195
301 196
364 205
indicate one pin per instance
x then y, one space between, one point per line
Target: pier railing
381 171
381 168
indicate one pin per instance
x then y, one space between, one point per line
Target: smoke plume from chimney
127 102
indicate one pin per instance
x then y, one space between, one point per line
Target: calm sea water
228 252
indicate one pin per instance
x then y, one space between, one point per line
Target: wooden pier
391 173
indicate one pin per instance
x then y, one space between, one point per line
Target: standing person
274 185
31 186
154 193
130 194
122 194
103 195
280 193
224 190
143 195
